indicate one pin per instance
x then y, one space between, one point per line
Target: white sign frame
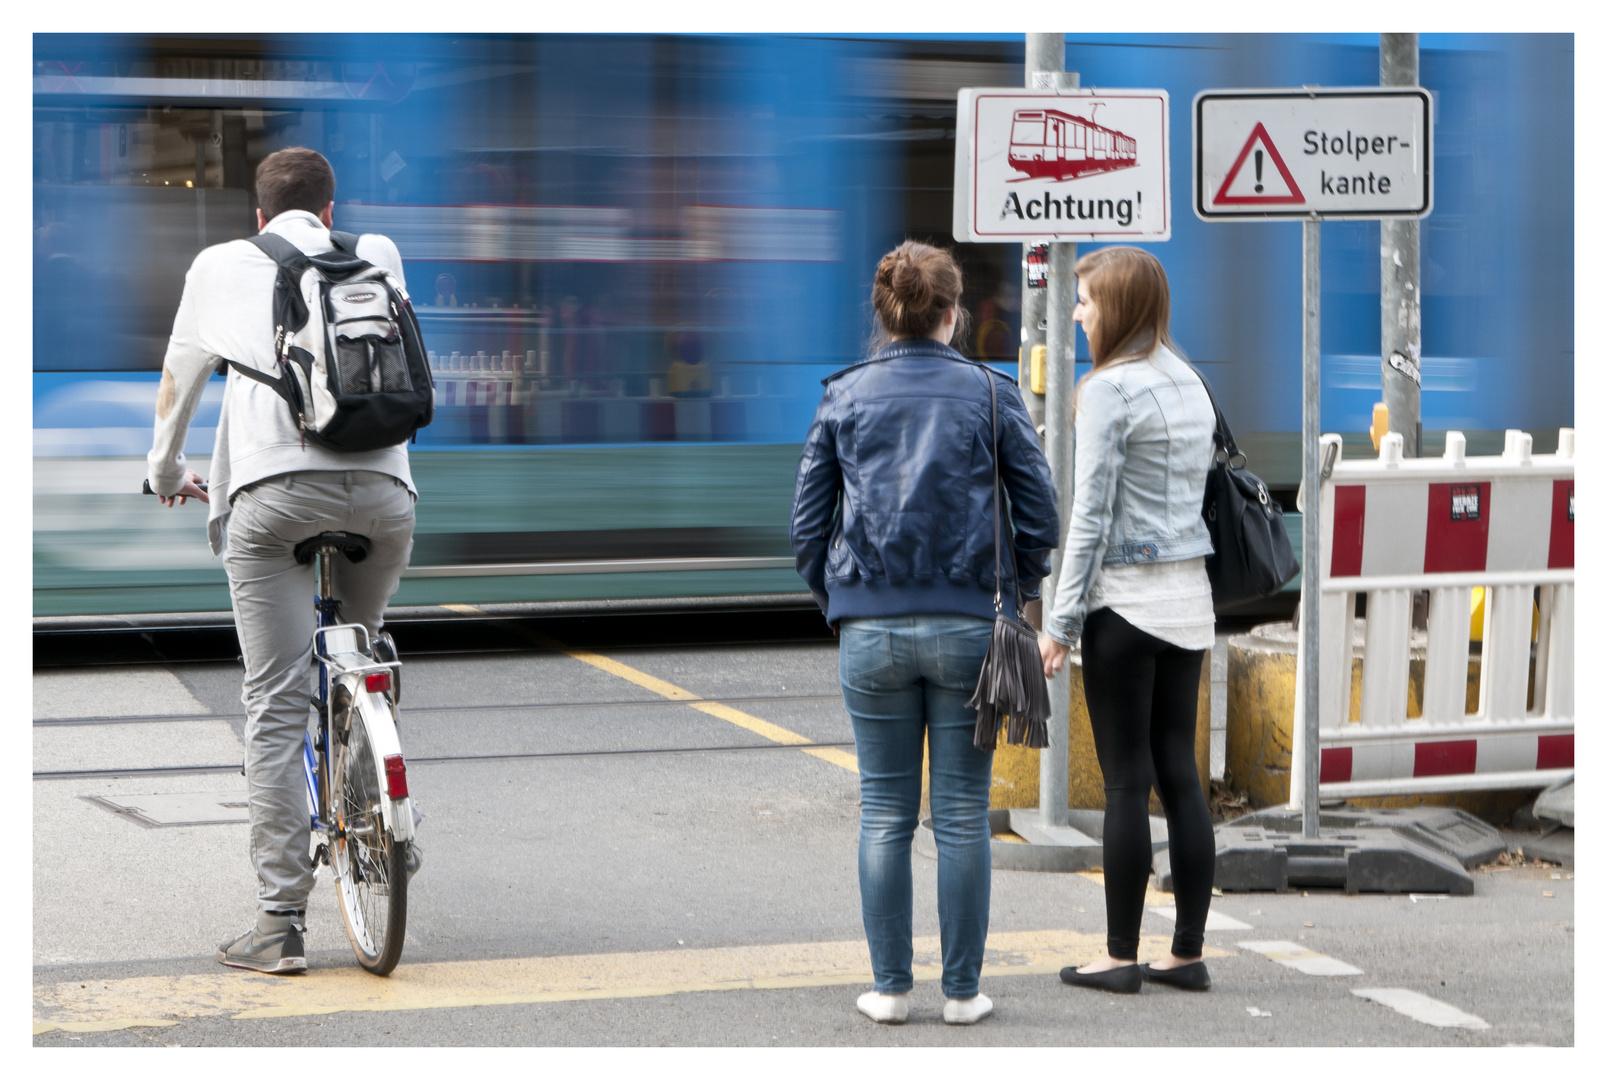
1223 138
983 168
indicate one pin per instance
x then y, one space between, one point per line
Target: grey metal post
1054 762
1311 519
1034 305
1400 300
1046 54
1046 61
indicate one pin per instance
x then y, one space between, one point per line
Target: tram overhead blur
636 256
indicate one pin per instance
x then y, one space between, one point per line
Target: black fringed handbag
1011 688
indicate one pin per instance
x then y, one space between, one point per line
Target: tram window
1028 129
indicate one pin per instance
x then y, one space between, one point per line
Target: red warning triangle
1259 196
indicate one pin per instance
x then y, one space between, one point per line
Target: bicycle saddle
354 547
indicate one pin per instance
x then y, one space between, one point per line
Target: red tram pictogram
1047 142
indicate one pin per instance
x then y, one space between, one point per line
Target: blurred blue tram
635 258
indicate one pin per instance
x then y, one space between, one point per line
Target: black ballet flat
1126 979
1190 976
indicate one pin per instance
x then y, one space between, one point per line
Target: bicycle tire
370 865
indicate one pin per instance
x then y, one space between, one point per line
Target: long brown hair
1128 287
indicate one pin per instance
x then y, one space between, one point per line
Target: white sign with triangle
1313 153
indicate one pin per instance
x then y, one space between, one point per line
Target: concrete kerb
1010 853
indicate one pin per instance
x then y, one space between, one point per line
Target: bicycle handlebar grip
145 487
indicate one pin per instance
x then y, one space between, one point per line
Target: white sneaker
885 1008
967 1012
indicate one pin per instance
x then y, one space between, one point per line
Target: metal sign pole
1046 61
1311 519
1399 287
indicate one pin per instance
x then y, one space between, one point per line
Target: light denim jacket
1143 448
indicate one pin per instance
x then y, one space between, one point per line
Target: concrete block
1015 768
1556 803
1557 847
1261 706
1363 860
1466 838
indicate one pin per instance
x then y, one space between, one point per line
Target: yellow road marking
39 1028
1152 895
762 728
456 984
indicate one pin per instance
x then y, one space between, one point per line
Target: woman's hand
1054 655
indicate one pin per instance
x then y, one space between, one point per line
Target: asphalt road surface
656 846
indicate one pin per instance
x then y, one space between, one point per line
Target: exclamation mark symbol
1258 172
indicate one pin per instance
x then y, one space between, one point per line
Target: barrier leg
1504 666
1559 656
1387 669
1445 673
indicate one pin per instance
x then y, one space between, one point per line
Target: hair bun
915 284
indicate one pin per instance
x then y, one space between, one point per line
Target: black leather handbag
1253 558
1011 688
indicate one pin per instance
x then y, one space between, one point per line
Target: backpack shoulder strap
289 257
277 385
344 241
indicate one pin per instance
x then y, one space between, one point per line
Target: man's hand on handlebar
194 488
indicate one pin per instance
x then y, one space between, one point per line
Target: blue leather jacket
1143 449
893 511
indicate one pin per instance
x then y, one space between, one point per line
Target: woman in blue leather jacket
1133 587
892 524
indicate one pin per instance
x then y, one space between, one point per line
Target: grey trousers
273 612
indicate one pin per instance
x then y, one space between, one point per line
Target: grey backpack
351 357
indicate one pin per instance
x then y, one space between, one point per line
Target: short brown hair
294 178
915 285
1128 286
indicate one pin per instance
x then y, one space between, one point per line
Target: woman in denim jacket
1133 587
892 523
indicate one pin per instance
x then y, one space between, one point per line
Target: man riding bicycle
271 489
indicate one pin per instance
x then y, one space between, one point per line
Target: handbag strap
1223 434
998 564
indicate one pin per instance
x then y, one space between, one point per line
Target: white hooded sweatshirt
227 311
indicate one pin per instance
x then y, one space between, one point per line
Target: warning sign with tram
1351 153
1062 165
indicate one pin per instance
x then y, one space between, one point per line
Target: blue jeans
906 679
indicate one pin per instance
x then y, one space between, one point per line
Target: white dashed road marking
1422 1008
1300 958
1214 920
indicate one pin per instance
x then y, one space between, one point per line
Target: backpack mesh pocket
390 358
353 365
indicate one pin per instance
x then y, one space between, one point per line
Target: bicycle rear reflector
379 682
395 775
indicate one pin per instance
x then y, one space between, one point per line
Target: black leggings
1142 699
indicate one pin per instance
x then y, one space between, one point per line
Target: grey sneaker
413 859
273 946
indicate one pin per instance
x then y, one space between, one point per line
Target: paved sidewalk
683 874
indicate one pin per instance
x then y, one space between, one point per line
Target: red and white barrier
1393 526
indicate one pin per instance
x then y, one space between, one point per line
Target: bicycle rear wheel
370 865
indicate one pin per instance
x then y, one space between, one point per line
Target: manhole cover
158 811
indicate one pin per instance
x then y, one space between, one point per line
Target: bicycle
364 834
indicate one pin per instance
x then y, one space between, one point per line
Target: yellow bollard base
1015 768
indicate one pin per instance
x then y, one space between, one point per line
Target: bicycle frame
332 641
